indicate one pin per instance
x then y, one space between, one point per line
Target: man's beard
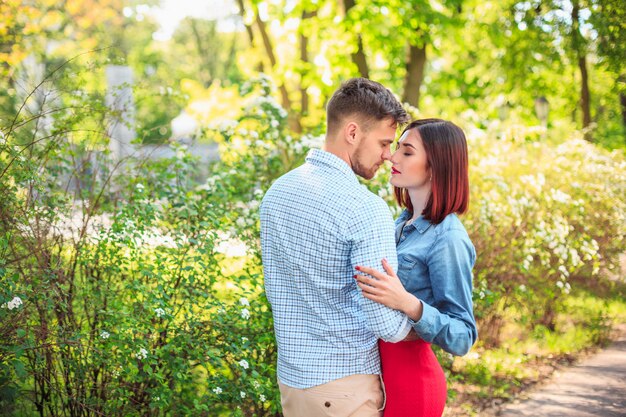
360 169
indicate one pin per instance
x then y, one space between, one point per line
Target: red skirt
415 384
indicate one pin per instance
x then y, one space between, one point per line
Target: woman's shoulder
452 225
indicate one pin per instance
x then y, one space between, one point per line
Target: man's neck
338 152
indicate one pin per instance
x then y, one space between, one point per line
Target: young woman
433 286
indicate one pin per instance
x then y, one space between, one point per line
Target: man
317 223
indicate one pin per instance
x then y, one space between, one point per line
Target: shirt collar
420 224
319 157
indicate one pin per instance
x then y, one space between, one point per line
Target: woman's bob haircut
446 154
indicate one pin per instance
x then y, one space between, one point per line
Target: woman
433 286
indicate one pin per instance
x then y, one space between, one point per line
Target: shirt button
327 404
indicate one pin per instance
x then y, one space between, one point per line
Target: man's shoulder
370 207
284 181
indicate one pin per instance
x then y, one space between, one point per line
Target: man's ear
350 131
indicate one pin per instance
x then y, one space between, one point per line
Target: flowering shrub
541 213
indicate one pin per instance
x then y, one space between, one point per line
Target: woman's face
410 168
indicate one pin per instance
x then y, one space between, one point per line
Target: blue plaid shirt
317 223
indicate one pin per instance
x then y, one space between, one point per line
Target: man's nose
387 155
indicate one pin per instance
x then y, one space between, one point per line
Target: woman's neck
419 198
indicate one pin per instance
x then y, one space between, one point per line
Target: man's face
374 148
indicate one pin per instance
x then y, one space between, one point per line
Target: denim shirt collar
420 224
320 157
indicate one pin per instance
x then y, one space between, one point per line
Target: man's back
317 223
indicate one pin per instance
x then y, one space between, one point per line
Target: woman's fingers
366 280
369 291
388 268
371 271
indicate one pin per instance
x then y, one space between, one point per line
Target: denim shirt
435 264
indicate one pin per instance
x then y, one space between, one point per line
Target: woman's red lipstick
394 171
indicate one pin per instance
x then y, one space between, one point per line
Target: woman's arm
449 321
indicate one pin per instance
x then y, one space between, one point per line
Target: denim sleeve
372 234
449 322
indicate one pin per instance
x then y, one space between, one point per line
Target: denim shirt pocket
411 273
406 261
405 264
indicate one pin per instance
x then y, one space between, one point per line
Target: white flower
142 354
244 301
217 390
241 222
262 398
256 384
472 355
242 394
139 187
522 288
159 312
104 334
14 303
245 313
244 339
244 364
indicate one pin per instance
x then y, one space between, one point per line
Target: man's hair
446 155
366 99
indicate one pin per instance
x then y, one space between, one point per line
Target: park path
594 387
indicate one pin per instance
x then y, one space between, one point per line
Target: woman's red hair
446 153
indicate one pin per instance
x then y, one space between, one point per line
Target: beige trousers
351 396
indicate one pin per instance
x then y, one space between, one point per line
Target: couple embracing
357 300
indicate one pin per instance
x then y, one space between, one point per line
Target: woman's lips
394 171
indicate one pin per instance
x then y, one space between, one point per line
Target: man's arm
372 234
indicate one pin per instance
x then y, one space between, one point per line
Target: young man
317 224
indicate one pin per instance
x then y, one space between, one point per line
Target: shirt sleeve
449 322
372 233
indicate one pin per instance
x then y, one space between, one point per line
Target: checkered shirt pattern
317 223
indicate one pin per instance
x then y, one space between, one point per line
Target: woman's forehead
409 134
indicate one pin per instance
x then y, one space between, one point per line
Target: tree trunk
294 122
358 57
416 62
582 66
622 100
207 62
584 91
304 57
242 12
